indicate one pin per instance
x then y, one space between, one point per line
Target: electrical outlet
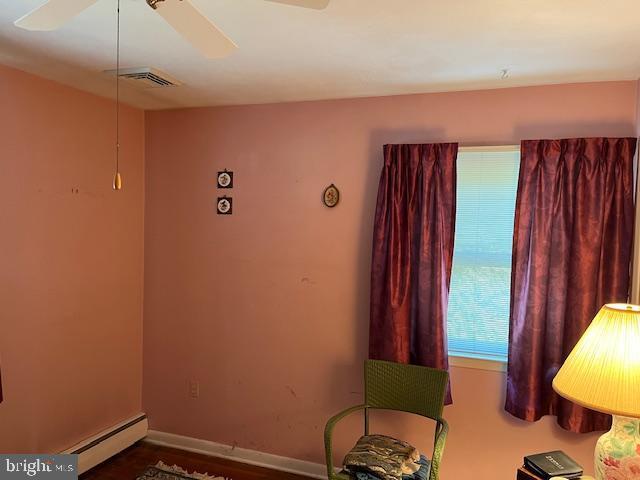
194 389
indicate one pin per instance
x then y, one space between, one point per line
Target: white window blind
478 313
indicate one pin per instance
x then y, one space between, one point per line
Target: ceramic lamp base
617 455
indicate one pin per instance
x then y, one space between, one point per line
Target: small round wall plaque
225 205
331 196
225 179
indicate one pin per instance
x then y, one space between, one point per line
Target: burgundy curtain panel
412 254
571 253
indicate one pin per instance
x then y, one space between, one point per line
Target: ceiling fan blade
52 14
197 29
316 4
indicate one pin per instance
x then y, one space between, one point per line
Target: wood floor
133 461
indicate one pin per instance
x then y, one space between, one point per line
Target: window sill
478 363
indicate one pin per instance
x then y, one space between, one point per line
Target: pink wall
268 308
638 108
72 265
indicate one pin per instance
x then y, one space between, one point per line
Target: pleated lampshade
602 372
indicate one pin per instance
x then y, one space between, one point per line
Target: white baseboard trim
242 455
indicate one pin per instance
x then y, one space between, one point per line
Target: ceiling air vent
146 77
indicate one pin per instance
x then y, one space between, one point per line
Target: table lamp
602 373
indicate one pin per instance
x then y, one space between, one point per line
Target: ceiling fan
182 15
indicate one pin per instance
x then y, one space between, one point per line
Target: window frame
462 361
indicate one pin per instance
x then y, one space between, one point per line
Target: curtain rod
489 148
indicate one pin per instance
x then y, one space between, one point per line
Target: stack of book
543 466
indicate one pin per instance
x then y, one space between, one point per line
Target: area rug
162 471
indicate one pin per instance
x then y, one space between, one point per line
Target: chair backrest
408 388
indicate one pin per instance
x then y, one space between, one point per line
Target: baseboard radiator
106 444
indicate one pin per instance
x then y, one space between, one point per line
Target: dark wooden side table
526 475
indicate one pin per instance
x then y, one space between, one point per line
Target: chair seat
422 474
376 457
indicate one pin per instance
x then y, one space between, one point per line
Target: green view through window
478 313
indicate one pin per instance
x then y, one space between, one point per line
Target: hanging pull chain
117 178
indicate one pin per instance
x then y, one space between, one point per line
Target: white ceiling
353 48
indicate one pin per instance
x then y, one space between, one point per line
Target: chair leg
366 421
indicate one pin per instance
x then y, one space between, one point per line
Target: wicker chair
406 388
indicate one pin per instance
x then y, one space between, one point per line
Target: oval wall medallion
331 196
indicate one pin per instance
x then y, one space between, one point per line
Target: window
478 313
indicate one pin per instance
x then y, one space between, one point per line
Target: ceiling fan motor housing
154 3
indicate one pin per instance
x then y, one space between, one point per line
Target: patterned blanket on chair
376 457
